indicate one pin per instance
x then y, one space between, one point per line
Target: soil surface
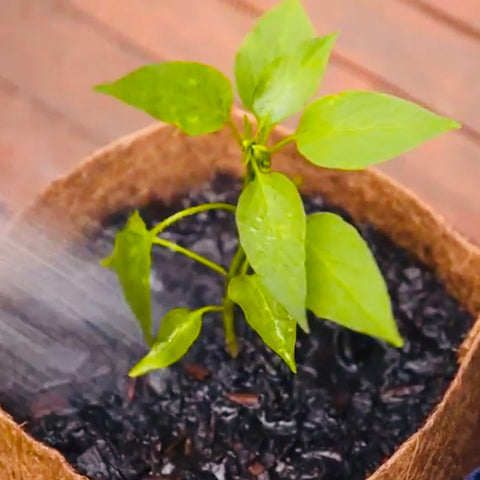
353 401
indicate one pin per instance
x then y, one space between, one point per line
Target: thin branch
282 143
190 211
210 308
194 256
236 133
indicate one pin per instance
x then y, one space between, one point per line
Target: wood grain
35 146
210 33
51 54
463 15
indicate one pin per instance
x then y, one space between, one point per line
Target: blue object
474 475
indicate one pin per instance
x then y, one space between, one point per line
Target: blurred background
53 51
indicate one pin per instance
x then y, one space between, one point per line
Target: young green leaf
196 98
277 34
344 283
131 260
271 225
179 329
286 86
266 316
353 130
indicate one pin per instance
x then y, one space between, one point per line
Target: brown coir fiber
160 163
22 458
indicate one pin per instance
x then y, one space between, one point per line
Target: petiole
194 256
190 211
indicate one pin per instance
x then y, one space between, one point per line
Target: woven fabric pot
160 163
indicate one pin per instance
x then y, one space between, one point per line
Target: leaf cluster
286 263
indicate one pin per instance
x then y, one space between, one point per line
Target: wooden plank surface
35 146
52 54
464 15
55 50
210 33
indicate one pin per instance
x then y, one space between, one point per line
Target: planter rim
81 199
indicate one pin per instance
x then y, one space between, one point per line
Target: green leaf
344 283
266 316
353 130
196 98
271 225
131 260
288 84
277 34
179 329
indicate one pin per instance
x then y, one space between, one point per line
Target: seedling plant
286 263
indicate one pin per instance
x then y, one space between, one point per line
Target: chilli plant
286 262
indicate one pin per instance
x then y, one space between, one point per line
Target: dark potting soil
353 401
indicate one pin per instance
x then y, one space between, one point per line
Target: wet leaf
271 225
287 85
278 33
344 283
196 98
179 329
353 130
131 260
265 315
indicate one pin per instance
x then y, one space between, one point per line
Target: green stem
228 315
263 132
228 306
236 133
244 268
190 211
148 337
237 261
210 308
260 131
247 127
194 256
248 161
279 145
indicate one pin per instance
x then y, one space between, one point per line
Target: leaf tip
136 371
334 35
102 88
135 221
107 261
288 356
290 361
135 217
454 125
143 367
304 325
397 341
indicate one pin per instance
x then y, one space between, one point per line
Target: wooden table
53 51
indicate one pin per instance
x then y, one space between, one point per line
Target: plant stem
235 132
244 267
228 306
190 211
148 337
237 261
247 127
279 145
194 256
228 316
210 308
